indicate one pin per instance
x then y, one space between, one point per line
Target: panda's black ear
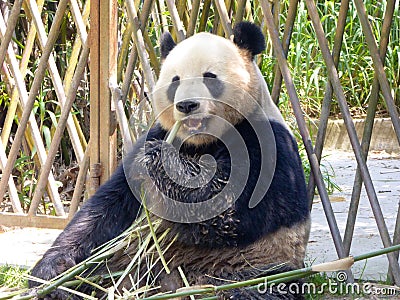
249 36
166 44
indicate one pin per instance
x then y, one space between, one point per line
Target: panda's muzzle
187 106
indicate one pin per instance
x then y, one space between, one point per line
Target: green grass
355 68
12 277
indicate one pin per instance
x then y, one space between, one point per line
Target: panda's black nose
187 106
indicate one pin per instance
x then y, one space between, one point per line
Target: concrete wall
383 135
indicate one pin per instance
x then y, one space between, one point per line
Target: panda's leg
104 216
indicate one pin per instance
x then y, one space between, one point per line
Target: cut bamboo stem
173 132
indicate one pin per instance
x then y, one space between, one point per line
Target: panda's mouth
195 124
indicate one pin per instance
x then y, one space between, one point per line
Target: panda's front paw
159 147
159 154
49 267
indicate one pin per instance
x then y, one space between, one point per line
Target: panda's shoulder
284 138
156 132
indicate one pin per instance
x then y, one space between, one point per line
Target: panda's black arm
110 211
163 163
105 215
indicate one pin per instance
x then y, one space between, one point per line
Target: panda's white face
204 79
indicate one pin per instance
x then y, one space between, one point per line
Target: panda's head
206 79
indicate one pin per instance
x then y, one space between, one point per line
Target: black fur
248 36
113 208
166 44
215 86
283 205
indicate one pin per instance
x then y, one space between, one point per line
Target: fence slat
40 72
56 78
304 131
62 122
11 22
326 102
338 90
30 40
176 21
378 67
16 205
20 84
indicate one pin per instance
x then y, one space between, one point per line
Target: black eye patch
172 88
209 75
213 84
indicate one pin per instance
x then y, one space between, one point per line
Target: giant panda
230 189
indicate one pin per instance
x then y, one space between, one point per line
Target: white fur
205 52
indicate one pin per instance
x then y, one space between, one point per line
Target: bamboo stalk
193 18
163 18
173 132
126 133
9 121
11 22
367 131
225 21
76 48
15 203
80 39
277 278
152 54
80 21
139 42
338 90
153 235
240 11
287 35
80 183
204 15
326 102
380 71
124 50
180 31
145 13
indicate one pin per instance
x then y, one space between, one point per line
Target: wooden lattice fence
46 70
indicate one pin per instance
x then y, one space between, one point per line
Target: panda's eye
175 78
209 75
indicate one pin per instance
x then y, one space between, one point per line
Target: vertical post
103 62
